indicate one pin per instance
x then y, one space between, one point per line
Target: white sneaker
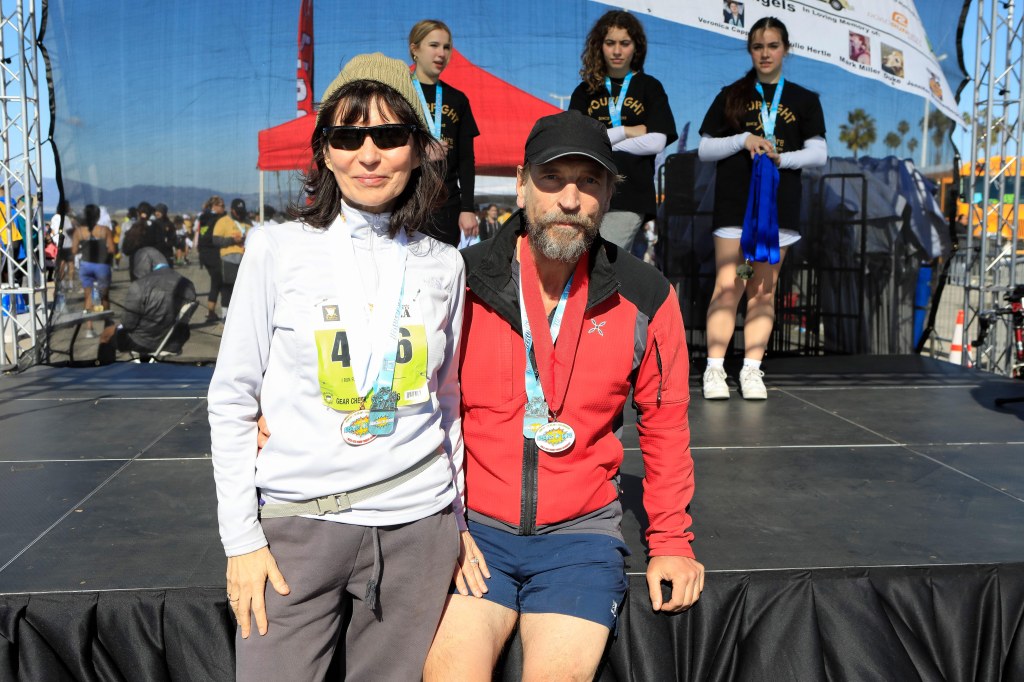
90 334
751 386
715 387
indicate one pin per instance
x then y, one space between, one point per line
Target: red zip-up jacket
632 338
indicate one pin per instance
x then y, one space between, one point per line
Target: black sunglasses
351 138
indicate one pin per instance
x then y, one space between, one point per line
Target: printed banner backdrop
880 39
164 102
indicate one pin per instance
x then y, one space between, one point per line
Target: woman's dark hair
594 71
737 94
348 105
91 215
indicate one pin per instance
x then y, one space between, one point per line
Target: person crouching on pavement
151 308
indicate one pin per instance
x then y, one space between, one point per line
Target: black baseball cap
238 205
568 133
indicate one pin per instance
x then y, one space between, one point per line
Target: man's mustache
575 219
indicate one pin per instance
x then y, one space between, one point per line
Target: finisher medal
555 437
382 412
745 270
536 416
355 430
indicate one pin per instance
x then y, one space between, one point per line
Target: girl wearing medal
762 113
344 333
450 120
634 107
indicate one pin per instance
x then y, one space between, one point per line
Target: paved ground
201 348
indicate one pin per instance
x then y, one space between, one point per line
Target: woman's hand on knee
247 577
471 568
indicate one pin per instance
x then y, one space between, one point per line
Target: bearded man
560 326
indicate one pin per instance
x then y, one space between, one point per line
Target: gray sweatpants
328 566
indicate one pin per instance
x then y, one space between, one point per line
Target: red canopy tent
285 147
503 113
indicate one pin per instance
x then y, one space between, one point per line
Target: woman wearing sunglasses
344 332
450 120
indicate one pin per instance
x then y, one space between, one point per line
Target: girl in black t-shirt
450 120
761 113
634 107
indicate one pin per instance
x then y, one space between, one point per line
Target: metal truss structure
994 245
22 274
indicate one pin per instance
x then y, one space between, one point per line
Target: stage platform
866 522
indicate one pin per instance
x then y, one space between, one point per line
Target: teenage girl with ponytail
759 114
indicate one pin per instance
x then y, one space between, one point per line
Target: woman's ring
474 561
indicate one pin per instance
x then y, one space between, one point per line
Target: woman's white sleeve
234 396
718 148
616 134
814 153
648 144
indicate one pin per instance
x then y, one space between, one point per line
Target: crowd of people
82 251
426 440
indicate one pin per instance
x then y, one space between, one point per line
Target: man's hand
686 576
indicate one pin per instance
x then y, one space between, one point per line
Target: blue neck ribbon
615 103
435 125
760 238
770 114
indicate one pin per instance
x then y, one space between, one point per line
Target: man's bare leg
469 640
562 648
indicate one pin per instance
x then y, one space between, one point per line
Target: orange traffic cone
956 345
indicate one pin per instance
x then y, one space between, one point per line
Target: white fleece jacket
268 360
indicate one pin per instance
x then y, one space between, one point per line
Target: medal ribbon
435 125
615 103
554 363
386 374
770 115
760 238
378 346
534 390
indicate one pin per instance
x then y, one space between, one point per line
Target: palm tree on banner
892 141
859 131
903 127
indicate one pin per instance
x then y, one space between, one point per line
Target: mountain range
178 199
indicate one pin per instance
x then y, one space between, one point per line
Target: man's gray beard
555 249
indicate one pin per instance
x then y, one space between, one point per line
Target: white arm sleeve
814 153
644 145
718 148
616 134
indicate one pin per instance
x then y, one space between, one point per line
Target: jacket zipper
528 503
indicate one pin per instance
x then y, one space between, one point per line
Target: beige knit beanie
380 68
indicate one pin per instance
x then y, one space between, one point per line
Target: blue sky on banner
173 94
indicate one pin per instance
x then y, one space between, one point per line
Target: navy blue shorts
574 574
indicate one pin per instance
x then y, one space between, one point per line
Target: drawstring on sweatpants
373 585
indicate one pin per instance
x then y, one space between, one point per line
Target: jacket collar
489 270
